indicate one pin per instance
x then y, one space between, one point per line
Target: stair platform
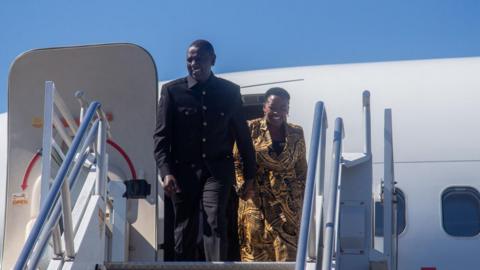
204 265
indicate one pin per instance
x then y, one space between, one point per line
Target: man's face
199 63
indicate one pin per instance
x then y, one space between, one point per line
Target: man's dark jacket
198 124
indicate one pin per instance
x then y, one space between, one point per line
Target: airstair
83 217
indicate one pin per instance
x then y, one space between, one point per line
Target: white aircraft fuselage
434 104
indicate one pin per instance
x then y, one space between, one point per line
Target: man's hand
170 185
248 190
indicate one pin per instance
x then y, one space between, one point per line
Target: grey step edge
201 265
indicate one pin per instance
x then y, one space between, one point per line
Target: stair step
354 159
201 265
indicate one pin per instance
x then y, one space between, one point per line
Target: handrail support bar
318 125
67 221
331 205
65 113
57 241
101 147
367 122
61 130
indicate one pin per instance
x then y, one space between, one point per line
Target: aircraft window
461 211
401 221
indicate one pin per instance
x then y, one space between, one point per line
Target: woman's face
276 110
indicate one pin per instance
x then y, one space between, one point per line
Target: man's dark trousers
201 194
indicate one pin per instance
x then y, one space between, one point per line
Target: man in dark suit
199 119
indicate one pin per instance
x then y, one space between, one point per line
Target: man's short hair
203 44
277 91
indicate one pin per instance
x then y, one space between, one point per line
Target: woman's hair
277 91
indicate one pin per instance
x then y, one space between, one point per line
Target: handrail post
67 221
48 122
47 140
100 185
79 95
312 235
57 241
101 115
320 185
389 232
309 187
331 205
367 123
315 241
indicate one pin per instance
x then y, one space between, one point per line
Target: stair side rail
389 209
316 147
53 195
55 216
55 110
316 243
367 123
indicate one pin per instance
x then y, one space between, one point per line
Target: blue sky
247 34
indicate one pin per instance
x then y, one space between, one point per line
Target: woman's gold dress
269 222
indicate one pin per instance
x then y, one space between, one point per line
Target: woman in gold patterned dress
269 216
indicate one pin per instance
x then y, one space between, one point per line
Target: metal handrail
332 203
72 178
54 191
367 123
389 213
318 126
